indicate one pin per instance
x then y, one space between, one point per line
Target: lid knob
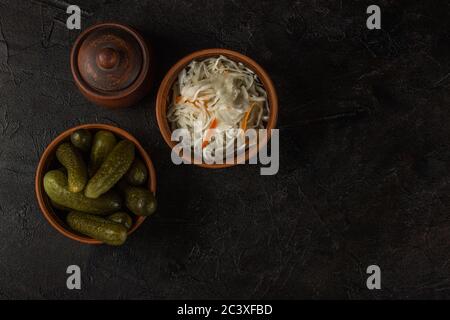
107 58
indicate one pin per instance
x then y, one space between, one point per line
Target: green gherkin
112 169
104 142
99 228
82 139
55 185
72 160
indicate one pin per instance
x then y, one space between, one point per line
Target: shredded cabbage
222 94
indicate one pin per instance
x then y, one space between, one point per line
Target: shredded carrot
208 135
247 115
178 99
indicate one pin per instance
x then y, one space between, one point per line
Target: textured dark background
364 176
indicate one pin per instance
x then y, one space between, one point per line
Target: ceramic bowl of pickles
96 184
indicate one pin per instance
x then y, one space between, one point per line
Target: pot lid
109 58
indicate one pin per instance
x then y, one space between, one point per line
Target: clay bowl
48 161
165 91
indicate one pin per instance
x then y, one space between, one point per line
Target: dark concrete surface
364 174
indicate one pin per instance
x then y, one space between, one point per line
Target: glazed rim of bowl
164 94
47 158
117 94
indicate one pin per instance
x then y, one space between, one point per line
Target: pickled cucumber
82 139
123 218
71 159
104 230
59 207
112 169
55 185
104 142
138 174
139 200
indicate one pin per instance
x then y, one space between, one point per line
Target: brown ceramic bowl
48 160
165 89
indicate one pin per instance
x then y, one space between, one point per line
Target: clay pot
112 65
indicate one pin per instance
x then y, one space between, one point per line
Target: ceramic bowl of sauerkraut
217 97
